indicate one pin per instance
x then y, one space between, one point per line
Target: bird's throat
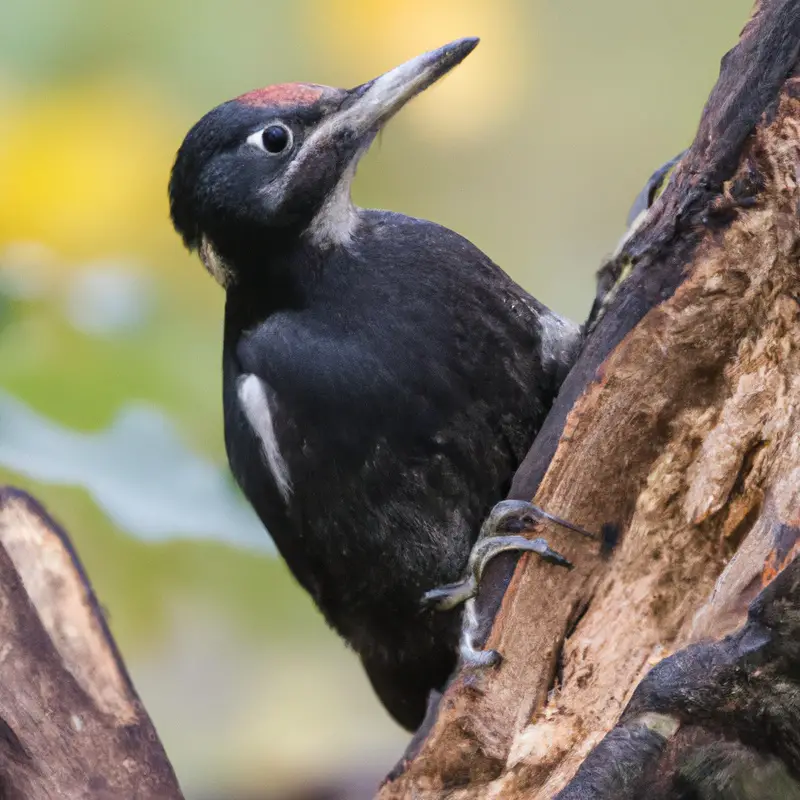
336 221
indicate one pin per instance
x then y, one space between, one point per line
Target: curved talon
489 548
550 555
562 522
443 598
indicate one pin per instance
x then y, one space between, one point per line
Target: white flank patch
558 336
255 405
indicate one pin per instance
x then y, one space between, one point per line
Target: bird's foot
444 598
501 532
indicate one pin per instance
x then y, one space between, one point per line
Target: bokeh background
110 333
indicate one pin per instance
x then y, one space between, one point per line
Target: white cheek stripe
255 405
214 263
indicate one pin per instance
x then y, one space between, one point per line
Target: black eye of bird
275 138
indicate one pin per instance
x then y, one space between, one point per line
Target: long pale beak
349 130
370 105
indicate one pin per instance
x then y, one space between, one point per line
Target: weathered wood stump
71 724
679 427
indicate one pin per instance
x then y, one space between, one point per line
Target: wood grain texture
680 425
71 724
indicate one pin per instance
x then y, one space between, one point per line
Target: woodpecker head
280 161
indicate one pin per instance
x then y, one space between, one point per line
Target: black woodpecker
383 378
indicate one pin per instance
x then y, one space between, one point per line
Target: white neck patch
337 219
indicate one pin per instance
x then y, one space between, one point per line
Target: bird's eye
273 139
276 138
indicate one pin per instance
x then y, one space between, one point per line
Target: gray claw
444 598
486 549
502 532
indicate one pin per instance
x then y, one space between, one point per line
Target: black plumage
382 377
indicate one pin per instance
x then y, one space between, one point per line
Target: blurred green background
110 333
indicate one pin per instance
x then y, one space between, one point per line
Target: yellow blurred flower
83 170
377 35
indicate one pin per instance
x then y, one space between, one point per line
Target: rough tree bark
71 724
640 672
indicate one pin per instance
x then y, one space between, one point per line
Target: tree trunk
677 433
71 724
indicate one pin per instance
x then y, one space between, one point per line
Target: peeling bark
71 724
680 426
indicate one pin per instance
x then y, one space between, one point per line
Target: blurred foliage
533 149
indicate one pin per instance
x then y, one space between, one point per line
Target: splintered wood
685 433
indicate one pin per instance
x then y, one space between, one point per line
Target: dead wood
71 724
680 427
